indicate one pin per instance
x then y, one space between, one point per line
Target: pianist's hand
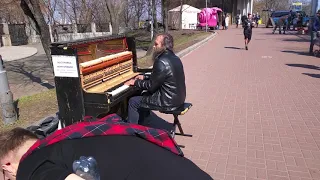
130 82
141 77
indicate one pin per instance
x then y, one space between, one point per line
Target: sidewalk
256 113
12 53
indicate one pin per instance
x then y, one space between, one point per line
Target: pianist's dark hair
167 41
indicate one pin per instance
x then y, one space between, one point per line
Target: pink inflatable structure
211 14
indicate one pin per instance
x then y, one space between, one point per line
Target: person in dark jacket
315 29
247 25
166 89
237 20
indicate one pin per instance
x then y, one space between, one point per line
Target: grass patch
33 108
182 40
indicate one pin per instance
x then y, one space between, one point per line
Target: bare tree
126 13
99 14
114 9
277 5
139 7
110 8
165 14
49 13
180 14
11 12
32 9
152 11
154 15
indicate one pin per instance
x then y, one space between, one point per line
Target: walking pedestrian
223 22
237 20
247 25
227 21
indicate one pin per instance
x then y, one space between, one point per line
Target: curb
188 50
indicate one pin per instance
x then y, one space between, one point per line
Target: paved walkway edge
13 53
33 53
188 50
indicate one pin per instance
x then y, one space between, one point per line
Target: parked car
275 15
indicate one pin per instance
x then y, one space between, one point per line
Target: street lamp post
313 14
8 111
151 18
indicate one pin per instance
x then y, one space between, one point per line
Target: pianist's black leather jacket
166 85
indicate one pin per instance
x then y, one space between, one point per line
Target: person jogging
247 25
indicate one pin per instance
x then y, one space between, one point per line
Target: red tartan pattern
109 125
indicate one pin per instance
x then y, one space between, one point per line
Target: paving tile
256 113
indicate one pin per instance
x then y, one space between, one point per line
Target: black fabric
166 86
247 28
47 127
118 157
247 34
247 24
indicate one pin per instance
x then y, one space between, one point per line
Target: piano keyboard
118 90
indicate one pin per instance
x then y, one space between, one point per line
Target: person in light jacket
227 21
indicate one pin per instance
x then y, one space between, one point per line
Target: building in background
189 18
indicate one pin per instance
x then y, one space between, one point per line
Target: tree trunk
31 8
154 14
180 17
114 24
138 19
150 48
165 15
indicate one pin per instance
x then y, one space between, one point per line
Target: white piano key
118 90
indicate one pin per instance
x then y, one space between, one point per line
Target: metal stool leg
173 132
177 122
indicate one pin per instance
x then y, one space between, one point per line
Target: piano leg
121 108
124 109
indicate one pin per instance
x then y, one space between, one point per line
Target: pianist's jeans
135 113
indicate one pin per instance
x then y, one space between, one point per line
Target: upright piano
90 76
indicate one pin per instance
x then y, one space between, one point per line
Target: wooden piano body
89 76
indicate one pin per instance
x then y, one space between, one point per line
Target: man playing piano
166 86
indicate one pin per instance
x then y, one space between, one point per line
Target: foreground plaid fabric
109 125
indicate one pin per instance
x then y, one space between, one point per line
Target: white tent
189 17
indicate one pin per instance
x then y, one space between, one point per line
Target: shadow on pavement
260 39
233 48
157 122
297 40
313 67
296 52
35 69
304 66
312 75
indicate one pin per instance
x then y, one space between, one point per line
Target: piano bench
176 113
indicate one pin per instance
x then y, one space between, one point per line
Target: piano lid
87 40
97 47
